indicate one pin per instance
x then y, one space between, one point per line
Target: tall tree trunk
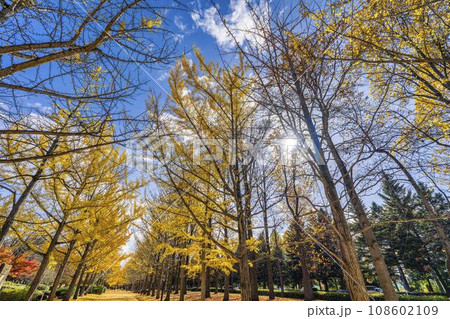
158 284
155 282
208 269
403 278
267 244
306 279
244 268
91 282
208 282
203 276
280 275
246 294
253 276
396 285
169 280
77 273
352 271
144 286
439 283
182 283
159 275
80 282
226 288
430 286
163 288
149 285
442 280
85 284
374 249
251 254
153 288
280 269
45 260
63 265
177 276
325 284
216 282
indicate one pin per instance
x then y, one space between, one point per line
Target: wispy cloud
239 21
179 23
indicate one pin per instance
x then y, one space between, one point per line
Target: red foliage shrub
21 265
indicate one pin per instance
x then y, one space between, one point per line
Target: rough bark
280 270
90 283
158 284
151 284
163 288
177 277
374 249
306 279
208 283
268 250
80 282
352 271
169 281
216 282
244 267
226 288
61 269
45 260
203 277
77 273
182 283
251 254
85 284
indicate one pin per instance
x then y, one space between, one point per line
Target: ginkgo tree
86 201
213 111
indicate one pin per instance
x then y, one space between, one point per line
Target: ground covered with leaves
123 295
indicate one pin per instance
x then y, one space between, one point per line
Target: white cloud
239 21
179 23
164 76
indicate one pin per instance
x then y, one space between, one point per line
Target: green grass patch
12 291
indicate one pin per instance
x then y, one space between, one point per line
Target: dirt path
116 295
122 295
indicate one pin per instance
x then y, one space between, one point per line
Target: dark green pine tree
436 267
365 260
279 260
399 233
261 266
291 240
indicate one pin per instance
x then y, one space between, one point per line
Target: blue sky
201 26
197 23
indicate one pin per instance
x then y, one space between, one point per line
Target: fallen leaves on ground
123 295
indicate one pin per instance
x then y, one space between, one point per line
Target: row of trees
79 215
362 91
65 195
292 133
